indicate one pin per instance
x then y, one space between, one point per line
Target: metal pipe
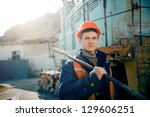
140 23
105 22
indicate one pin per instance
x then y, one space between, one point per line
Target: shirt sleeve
73 88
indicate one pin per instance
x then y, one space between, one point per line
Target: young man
78 82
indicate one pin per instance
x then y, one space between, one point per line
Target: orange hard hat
87 25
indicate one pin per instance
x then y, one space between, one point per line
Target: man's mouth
90 46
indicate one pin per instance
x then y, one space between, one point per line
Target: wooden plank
18 94
131 72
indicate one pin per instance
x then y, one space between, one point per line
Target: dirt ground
31 84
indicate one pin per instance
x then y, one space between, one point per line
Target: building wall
122 18
38 56
142 57
13 69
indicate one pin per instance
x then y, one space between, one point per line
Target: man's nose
90 40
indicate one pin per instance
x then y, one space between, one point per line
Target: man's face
89 41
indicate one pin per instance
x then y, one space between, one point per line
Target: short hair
87 30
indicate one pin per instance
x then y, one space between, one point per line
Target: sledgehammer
125 87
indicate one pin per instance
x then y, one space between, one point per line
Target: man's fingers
100 71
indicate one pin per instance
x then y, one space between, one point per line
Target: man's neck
93 52
91 56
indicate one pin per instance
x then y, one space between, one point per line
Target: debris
49 81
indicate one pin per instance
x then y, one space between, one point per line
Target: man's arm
73 88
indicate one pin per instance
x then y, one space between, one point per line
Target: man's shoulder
99 52
68 63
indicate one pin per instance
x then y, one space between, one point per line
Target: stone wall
142 55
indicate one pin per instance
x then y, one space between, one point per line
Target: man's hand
99 71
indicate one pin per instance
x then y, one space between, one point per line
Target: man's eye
94 38
87 38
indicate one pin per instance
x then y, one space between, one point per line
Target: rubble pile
49 81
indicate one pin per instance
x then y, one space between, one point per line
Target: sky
13 12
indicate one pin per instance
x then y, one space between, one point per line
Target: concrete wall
37 55
13 69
